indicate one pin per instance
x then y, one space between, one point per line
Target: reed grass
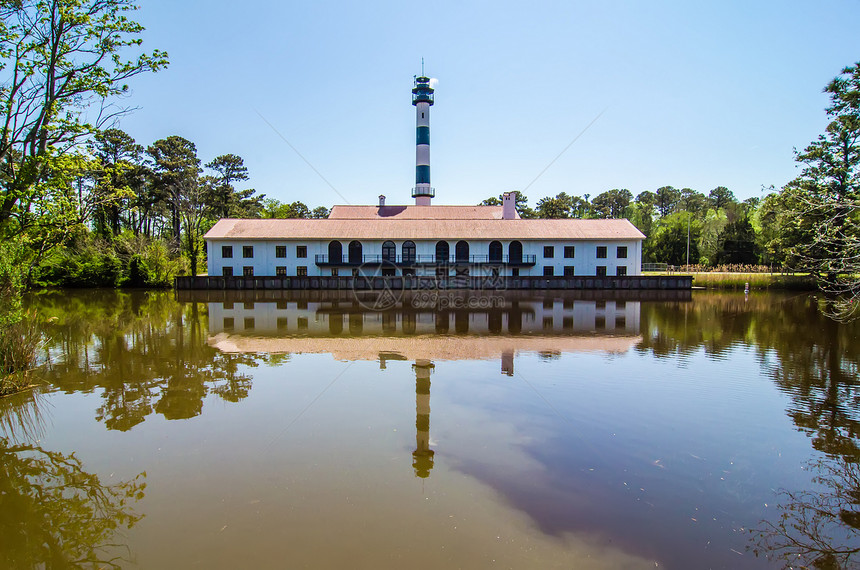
756 281
19 342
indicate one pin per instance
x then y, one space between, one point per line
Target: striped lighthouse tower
422 98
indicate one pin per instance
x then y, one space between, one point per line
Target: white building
424 240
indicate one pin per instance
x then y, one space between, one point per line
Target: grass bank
757 281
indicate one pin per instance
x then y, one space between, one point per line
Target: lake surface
557 430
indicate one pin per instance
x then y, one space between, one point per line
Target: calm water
559 431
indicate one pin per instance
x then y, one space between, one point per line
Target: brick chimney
509 205
381 200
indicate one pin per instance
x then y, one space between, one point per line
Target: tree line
719 228
149 208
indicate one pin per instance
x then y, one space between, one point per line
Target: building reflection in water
422 457
471 326
464 326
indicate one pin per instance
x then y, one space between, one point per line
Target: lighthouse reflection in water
467 326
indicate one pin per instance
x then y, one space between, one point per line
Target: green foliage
19 333
819 211
720 197
320 212
668 244
61 58
139 274
558 207
666 200
713 223
611 204
737 243
128 260
642 216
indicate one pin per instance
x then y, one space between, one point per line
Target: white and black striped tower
422 98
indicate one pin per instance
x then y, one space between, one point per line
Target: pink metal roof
425 229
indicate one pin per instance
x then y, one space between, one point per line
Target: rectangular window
334 273
228 306
601 271
548 271
227 251
569 271
249 323
621 270
515 272
388 272
248 305
302 270
621 253
302 323
569 251
228 323
281 270
301 251
281 305
248 251
548 251
601 252
280 251
282 323
355 271
248 271
227 271
547 322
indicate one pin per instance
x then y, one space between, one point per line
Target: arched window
409 252
355 252
442 252
515 252
496 251
389 251
335 252
461 251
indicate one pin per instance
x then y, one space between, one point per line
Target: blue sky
691 95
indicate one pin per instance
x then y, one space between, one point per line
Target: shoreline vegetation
757 281
738 277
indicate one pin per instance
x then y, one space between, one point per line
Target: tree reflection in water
817 529
814 360
144 351
53 513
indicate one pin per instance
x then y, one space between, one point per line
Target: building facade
440 247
